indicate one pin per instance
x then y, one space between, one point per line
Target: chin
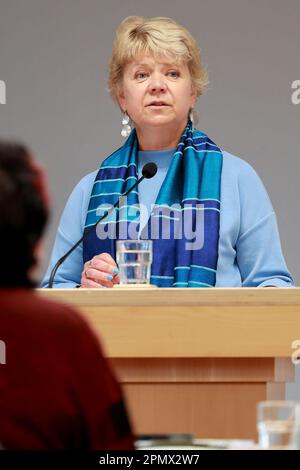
160 121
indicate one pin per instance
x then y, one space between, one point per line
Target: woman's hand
101 270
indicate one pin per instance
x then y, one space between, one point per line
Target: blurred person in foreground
56 389
207 211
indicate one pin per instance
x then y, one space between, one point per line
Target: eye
141 75
173 73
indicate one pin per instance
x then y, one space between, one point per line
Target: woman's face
157 92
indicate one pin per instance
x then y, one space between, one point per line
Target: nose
157 83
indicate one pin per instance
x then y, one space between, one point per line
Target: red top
56 388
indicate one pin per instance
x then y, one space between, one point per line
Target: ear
193 97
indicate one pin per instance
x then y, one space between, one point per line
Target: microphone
149 170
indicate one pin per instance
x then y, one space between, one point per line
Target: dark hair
23 213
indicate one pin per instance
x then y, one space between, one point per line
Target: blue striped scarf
184 223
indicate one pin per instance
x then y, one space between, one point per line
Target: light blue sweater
249 246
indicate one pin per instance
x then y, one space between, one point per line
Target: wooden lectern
194 360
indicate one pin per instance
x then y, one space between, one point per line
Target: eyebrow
168 64
140 65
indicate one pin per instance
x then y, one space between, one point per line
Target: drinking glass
134 258
275 424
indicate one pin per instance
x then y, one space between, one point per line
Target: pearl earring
126 128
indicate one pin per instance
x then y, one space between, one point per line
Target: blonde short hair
137 36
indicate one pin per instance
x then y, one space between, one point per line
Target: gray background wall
54 56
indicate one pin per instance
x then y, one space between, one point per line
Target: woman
156 76
50 395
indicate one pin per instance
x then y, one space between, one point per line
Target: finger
98 276
108 284
89 283
92 283
107 258
116 279
103 266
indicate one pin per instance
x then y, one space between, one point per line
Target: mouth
157 104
